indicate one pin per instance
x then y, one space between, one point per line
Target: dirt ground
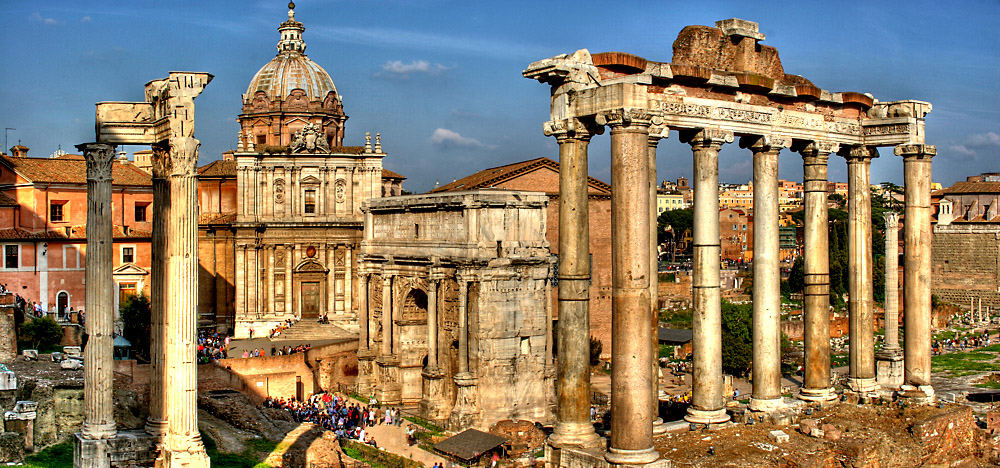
877 436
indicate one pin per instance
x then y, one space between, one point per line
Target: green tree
135 313
736 335
596 347
678 220
41 333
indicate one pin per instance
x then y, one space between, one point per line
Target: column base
366 371
574 434
180 459
642 457
918 395
433 406
126 449
98 431
862 385
465 414
819 395
659 427
156 427
766 405
889 368
698 416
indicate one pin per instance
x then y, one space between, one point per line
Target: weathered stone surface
11 447
778 436
523 436
830 432
237 410
950 436
807 425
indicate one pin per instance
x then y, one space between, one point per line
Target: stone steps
310 330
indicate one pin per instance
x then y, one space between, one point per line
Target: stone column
466 409
348 279
98 366
366 368
816 252
182 444
432 324
707 404
363 313
573 427
156 423
631 350
766 363
349 197
432 403
859 269
917 270
655 134
463 326
289 265
387 330
889 360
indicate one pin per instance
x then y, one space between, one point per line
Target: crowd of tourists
346 419
971 341
280 328
212 346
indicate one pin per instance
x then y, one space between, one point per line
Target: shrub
42 333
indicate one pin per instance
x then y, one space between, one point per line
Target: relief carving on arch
375 306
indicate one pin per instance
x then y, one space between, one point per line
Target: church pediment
129 269
310 266
310 180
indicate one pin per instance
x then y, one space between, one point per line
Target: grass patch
54 456
991 384
964 363
993 348
677 318
431 427
262 445
257 450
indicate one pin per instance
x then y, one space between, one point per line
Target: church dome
291 69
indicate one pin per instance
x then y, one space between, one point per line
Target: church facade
297 224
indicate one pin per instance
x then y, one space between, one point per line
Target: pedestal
575 457
433 406
389 391
366 370
126 449
465 414
697 416
818 395
889 368
922 395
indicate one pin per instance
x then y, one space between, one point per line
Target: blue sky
441 80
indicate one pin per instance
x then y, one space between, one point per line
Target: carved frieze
279 191
310 140
340 189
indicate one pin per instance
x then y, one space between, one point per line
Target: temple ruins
166 122
722 85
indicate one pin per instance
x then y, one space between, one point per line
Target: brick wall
966 265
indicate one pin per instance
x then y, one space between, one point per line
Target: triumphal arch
722 86
165 120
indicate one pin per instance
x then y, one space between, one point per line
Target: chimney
19 151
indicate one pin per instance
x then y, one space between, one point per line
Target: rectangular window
56 211
10 256
310 201
128 254
140 212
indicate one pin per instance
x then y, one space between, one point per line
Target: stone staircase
310 330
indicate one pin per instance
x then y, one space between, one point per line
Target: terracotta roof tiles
490 177
72 171
971 187
219 168
387 174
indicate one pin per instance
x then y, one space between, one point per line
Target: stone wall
8 335
966 265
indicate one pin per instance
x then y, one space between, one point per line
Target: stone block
8 381
993 422
30 354
949 435
778 436
72 351
57 356
129 449
71 364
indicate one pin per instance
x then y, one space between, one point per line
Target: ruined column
573 426
156 423
859 269
182 445
366 368
917 270
655 134
889 360
631 352
466 409
707 404
432 401
98 366
816 255
766 363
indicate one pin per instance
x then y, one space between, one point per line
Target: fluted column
182 445
891 280
573 426
917 269
859 269
631 350
156 423
655 134
289 265
816 252
98 365
363 314
463 327
707 404
766 363
387 330
432 323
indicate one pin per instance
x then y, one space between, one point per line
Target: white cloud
983 139
961 149
398 69
445 137
85 19
41 19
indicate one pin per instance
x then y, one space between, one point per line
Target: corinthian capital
99 157
572 128
859 153
707 138
183 156
161 160
765 143
627 117
816 149
919 151
891 219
